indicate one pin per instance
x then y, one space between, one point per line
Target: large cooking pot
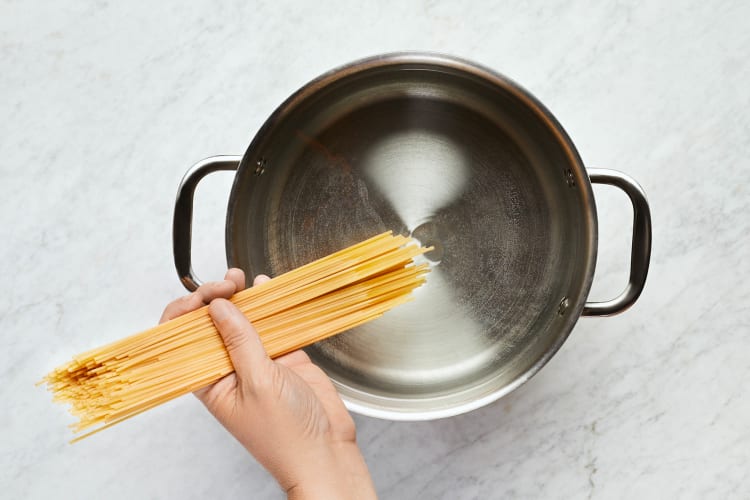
462 159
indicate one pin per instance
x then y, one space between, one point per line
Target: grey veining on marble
105 105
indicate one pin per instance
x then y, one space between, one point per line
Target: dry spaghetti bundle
109 384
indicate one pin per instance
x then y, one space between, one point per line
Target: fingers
260 279
212 395
199 298
240 338
234 281
237 276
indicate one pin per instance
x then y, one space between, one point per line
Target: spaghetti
112 383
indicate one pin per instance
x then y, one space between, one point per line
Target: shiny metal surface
459 157
183 214
640 253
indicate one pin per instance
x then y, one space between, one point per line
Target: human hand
286 411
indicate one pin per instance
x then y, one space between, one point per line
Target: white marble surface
105 104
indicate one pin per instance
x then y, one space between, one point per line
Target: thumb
240 338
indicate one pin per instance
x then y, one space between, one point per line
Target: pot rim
575 163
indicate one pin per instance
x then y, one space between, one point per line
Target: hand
286 412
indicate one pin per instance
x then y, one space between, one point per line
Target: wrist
337 472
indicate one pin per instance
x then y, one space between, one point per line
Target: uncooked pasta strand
124 378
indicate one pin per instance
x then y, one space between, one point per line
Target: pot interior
460 159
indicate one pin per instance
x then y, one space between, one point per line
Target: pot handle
640 253
182 223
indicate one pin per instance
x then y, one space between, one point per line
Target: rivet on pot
563 307
260 167
569 178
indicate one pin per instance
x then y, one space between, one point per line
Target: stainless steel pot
461 158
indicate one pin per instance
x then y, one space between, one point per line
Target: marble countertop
106 104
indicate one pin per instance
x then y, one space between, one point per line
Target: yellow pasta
117 381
